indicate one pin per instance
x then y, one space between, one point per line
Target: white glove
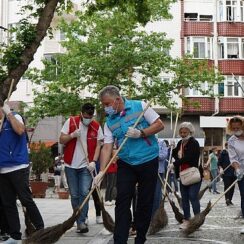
91 166
75 134
133 133
171 166
221 171
6 109
239 174
98 179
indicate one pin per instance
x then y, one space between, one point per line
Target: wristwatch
142 133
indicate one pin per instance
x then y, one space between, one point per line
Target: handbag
190 176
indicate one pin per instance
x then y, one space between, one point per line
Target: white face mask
86 122
186 138
238 132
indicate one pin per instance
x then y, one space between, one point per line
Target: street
219 227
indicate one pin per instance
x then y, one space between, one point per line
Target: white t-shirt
150 116
5 170
79 157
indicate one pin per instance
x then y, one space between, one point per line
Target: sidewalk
219 227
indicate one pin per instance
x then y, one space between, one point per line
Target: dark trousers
16 184
241 188
228 180
189 195
127 177
3 220
111 187
96 203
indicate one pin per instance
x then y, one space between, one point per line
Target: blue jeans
190 194
241 188
79 181
214 173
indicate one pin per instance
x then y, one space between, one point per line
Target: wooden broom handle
219 174
212 205
171 150
113 158
9 94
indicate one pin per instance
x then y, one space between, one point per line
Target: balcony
200 28
227 67
231 105
232 29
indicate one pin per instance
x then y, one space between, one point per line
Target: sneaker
132 232
108 203
12 241
99 220
242 231
184 225
82 228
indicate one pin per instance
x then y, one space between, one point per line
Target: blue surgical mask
238 133
86 122
109 110
186 138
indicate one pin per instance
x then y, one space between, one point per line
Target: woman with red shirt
186 154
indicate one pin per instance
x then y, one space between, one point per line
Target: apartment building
207 29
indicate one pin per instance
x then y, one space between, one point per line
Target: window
221 89
199 47
232 48
213 136
230 10
196 92
234 88
205 17
191 16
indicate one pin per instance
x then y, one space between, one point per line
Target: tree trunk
27 56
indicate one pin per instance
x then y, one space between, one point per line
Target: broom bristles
108 221
178 215
197 221
201 192
159 220
51 234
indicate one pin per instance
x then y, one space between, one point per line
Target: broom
201 193
178 215
170 155
9 94
199 219
107 219
52 234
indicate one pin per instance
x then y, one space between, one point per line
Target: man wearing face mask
82 137
137 163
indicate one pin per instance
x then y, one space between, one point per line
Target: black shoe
231 203
4 236
228 202
216 192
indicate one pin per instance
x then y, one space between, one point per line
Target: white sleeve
100 134
108 136
19 118
150 115
65 128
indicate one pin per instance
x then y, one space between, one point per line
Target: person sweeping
138 160
186 155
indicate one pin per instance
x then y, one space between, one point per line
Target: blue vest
135 151
13 147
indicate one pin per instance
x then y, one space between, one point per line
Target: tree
16 57
111 48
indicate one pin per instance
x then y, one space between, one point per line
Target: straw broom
9 94
197 221
201 193
107 219
178 215
52 234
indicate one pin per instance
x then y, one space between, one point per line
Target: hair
235 119
187 125
110 90
88 108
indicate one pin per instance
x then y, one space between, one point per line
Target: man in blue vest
14 173
138 160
